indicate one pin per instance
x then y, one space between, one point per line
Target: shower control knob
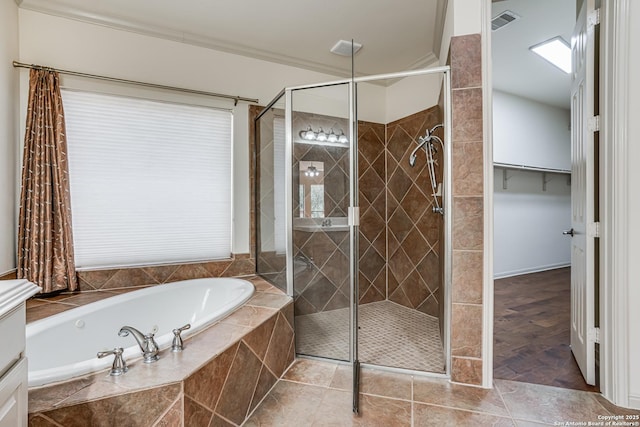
568 232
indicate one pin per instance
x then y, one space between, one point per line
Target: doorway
535 175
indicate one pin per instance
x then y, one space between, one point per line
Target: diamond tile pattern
389 335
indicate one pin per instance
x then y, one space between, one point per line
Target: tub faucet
146 342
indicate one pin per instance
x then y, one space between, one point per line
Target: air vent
505 18
343 48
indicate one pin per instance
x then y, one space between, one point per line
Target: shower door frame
354 208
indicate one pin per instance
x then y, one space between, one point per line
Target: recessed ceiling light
556 51
343 47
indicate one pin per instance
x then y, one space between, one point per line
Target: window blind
150 181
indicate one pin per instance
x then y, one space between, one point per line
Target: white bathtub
64 346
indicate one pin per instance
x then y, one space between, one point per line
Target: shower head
412 159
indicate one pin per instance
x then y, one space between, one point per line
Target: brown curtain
45 240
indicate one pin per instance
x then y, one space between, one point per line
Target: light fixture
321 136
343 138
308 134
556 51
311 171
332 137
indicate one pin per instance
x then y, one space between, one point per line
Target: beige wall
73 45
8 132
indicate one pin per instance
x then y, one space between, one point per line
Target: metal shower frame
354 208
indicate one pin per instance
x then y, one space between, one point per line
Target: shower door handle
568 232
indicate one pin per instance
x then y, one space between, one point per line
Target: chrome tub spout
146 342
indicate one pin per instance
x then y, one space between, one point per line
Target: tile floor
318 393
389 335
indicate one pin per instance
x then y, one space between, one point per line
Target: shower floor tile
389 335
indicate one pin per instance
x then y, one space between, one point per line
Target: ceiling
521 72
395 36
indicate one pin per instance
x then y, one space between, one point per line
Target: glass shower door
322 237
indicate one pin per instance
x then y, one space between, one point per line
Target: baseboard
634 402
530 270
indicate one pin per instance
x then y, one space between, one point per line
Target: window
279 208
150 181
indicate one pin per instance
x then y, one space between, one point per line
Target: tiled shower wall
400 235
414 233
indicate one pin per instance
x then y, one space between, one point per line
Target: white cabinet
13 364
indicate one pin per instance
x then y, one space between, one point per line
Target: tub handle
119 366
177 344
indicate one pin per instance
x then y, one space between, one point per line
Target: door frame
614 256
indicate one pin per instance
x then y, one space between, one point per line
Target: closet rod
134 82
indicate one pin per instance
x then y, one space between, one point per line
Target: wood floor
531 330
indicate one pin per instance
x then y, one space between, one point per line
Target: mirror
311 189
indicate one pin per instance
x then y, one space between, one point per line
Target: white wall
8 133
634 205
526 132
411 95
78 46
528 222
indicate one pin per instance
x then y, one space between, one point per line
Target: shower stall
353 216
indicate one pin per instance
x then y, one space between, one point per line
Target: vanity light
332 137
311 171
321 136
343 138
308 134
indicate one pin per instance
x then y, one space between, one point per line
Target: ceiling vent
343 48
505 18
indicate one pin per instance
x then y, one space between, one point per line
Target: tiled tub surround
218 379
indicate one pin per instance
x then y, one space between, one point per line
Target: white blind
150 181
279 206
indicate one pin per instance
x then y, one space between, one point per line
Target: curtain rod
17 64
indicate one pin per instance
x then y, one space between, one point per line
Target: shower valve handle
177 344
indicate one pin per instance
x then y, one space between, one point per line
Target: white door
582 194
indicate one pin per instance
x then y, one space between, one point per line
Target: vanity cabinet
13 363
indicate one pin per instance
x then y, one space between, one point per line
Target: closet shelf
508 166
530 168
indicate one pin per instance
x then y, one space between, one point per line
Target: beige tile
466 107
438 416
264 299
467 168
538 403
386 384
466 281
466 370
258 339
288 404
278 354
466 61
466 330
468 223
521 423
312 372
173 417
336 410
442 392
249 316
196 415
